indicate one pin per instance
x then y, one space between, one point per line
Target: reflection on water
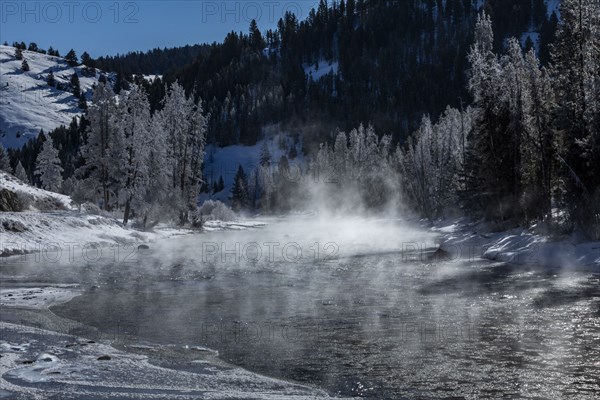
368 322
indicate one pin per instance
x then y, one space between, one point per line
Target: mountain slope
28 103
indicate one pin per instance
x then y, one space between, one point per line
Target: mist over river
355 307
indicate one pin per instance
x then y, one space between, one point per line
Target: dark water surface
369 322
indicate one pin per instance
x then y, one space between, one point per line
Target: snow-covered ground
69 231
27 103
41 364
8 181
466 239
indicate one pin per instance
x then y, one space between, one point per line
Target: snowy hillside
28 103
36 195
224 161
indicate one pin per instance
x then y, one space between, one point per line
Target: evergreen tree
18 53
577 75
48 167
265 155
492 182
240 198
20 173
256 39
75 85
86 59
4 163
50 79
25 65
98 151
71 58
82 102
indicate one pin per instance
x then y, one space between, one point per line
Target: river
354 307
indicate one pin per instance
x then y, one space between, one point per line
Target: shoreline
42 352
464 239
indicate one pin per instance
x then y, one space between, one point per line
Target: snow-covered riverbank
463 238
42 364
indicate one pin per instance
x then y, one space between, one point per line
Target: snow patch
553 6
323 68
37 297
517 246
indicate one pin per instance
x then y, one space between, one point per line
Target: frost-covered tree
133 147
4 164
48 167
184 125
98 153
492 181
358 171
576 71
160 181
431 166
20 173
538 144
265 155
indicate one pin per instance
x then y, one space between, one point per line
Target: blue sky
111 27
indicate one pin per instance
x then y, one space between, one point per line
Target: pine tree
25 65
50 79
82 102
256 39
240 199
4 164
48 167
86 59
538 146
492 184
265 155
75 85
20 173
576 72
97 152
18 53
71 58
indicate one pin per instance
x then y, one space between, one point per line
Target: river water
340 306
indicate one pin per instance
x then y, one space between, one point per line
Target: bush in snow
212 210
